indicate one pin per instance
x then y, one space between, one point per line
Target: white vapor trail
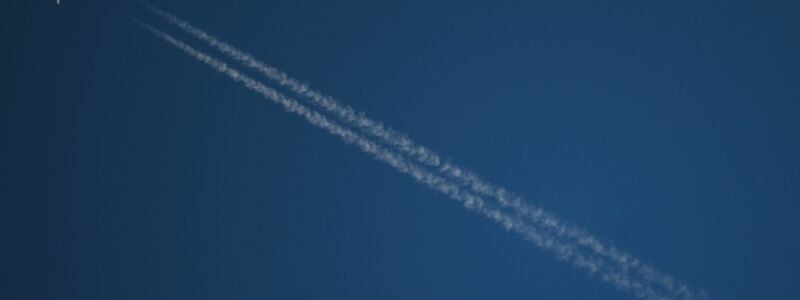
549 222
565 251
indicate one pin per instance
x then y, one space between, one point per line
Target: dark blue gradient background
131 171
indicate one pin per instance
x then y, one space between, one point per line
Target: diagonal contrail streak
461 175
563 251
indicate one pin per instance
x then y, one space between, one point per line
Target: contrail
563 251
429 157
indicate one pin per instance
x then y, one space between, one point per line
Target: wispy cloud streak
617 275
547 221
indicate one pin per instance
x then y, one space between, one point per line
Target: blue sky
132 171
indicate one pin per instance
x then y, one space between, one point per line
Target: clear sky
131 171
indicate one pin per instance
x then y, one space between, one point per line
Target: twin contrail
565 240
